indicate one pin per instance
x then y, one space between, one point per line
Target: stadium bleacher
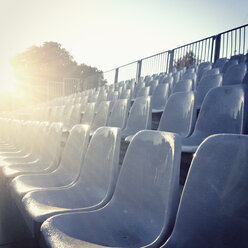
116 182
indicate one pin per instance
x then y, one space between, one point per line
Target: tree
49 62
187 60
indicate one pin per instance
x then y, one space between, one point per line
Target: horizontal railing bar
167 51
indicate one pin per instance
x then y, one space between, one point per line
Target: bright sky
109 33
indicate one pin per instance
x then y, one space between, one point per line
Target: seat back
118 116
101 116
179 114
235 74
229 64
139 117
222 111
100 169
147 191
207 83
183 86
73 154
214 203
89 114
160 96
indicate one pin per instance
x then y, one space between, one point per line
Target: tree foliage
185 61
49 62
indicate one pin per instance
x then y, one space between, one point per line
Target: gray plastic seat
89 114
125 94
140 116
160 97
101 116
92 190
183 86
214 71
202 68
219 63
145 91
229 64
214 203
206 84
192 76
222 111
119 113
179 114
153 86
33 152
49 155
66 173
235 74
142 210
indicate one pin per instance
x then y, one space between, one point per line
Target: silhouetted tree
187 60
49 62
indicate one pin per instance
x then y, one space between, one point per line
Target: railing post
171 52
138 71
217 47
116 75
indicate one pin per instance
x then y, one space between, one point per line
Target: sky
110 33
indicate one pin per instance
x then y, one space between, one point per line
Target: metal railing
225 44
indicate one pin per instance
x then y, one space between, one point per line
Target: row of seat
101 204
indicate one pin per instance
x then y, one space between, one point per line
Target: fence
225 44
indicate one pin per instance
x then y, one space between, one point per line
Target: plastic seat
142 210
101 116
222 111
32 154
219 63
119 114
235 74
202 68
66 173
92 190
179 114
193 77
160 97
183 86
145 91
89 114
214 71
50 149
206 84
140 116
229 64
213 207
125 94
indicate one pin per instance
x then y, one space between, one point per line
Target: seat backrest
183 86
179 114
148 185
73 154
160 96
89 114
229 64
206 84
100 169
222 111
192 76
125 94
140 116
101 116
213 71
52 148
214 203
235 74
219 63
145 91
118 116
